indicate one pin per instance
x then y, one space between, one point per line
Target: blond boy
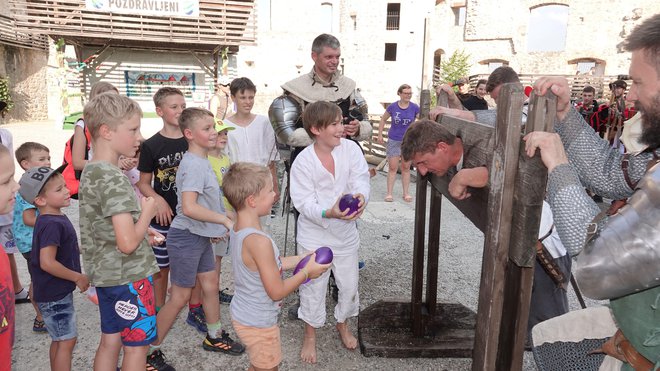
257 266
113 230
200 220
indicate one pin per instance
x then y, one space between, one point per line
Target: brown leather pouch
548 264
620 348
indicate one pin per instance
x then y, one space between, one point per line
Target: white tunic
253 143
314 189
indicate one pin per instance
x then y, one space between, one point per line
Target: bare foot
347 338
308 351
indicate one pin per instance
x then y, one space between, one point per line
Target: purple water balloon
347 201
323 256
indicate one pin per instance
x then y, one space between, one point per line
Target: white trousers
313 293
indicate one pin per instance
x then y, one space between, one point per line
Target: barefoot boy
54 261
259 287
321 174
113 230
29 155
199 220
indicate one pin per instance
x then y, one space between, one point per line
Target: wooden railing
220 22
576 82
10 35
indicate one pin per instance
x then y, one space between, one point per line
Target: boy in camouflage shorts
116 253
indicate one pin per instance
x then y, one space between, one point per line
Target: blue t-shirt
196 175
53 230
22 232
401 119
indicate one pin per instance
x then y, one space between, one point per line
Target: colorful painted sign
162 8
140 84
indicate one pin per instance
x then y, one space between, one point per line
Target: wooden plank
515 314
500 203
433 252
417 325
384 331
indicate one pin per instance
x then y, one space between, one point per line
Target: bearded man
618 256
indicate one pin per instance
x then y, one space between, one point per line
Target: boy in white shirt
254 137
321 174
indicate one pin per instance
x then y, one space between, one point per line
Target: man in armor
619 255
323 83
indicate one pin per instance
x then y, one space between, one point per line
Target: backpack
72 176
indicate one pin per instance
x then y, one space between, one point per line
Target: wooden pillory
508 211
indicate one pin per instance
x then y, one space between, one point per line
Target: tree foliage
455 67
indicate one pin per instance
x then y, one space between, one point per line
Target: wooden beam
500 203
204 66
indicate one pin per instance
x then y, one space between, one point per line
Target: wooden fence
9 35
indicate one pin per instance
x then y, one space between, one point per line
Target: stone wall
26 69
498 30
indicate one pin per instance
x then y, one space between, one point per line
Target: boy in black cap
54 261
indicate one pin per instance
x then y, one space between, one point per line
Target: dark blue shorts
129 310
160 250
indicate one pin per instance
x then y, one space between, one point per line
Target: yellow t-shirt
220 166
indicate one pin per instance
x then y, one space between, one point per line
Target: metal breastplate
622 253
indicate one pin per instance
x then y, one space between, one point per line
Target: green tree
455 67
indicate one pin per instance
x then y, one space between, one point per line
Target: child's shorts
263 345
160 250
129 310
190 254
7 240
221 248
60 318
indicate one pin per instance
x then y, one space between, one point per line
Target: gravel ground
386 231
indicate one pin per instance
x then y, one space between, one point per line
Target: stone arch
437 59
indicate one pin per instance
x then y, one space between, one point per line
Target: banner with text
162 8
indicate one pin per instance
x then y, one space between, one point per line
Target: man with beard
619 255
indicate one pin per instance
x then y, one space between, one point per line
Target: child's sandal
39 326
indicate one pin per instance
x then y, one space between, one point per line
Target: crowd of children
158 215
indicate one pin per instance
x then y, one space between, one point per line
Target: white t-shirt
252 143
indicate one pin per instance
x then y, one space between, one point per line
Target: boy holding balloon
257 266
322 174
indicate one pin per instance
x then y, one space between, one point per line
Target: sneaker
361 264
223 344
22 296
225 297
39 326
156 362
197 319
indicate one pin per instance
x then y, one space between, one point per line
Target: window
494 63
326 17
588 66
546 31
584 68
390 51
459 16
393 15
